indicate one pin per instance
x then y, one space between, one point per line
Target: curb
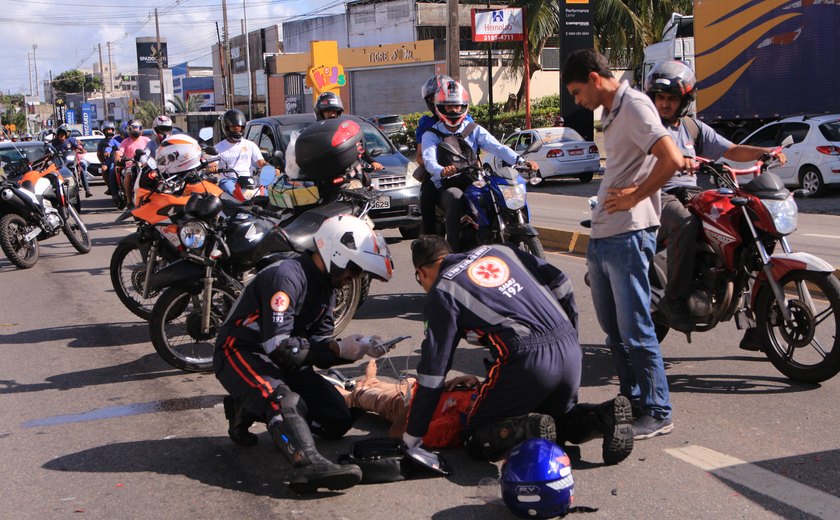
575 242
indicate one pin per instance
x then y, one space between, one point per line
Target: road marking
760 480
818 235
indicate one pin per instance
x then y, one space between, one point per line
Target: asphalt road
94 425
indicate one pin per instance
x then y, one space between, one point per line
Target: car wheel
585 177
811 180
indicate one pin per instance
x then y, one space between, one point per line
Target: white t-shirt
241 156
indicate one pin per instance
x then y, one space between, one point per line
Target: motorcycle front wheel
128 273
175 326
76 231
22 253
807 348
531 245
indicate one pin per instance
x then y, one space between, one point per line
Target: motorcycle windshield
507 173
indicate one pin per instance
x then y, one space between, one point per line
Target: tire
410 233
808 351
128 272
365 288
585 177
175 326
531 245
12 229
347 300
76 231
811 179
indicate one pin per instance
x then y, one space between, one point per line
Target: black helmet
672 77
108 125
62 130
430 88
233 118
328 101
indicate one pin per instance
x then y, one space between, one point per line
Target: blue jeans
618 276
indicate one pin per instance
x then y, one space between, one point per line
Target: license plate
578 151
382 203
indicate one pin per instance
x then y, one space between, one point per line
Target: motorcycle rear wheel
175 326
76 231
347 300
23 254
808 348
128 272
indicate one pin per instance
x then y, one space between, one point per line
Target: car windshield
559 135
90 145
387 120
286 132
16 161
831 131
375 141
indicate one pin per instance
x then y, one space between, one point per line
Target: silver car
564 153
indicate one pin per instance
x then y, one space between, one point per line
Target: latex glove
411 441
374 347
353 347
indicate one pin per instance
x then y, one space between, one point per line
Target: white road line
818 235
760 480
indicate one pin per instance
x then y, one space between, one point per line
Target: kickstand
688 337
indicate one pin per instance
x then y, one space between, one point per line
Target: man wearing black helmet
105 153
236 153
671 86
63 142
329 106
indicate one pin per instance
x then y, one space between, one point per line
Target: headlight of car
409 174
784 214
192 234
514 195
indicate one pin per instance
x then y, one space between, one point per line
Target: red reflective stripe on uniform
247 320
492 374
256 381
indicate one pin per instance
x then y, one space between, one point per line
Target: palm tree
146 112
190 105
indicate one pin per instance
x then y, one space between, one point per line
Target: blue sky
67 32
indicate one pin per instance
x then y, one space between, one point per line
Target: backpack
446 158
693 128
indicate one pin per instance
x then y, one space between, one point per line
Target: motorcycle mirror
267 175
151 163
801 194
138 154
210 151
206 134
533 147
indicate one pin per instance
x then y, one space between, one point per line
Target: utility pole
160 65
35 62
226 43
453 41
222 66
248 61
29 68
110 70
102 73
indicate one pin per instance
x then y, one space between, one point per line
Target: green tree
146 112
75 81
190 105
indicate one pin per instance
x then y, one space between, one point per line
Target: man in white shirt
235 152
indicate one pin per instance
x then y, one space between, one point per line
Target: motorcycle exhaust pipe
13 200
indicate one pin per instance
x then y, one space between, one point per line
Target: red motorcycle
746 269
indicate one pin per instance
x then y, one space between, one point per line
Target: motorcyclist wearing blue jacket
451 106
63 142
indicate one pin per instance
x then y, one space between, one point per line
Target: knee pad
289 401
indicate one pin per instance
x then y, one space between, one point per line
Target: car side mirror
402 148
787 141
376 152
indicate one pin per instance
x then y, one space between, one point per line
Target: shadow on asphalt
150 366
83 336
734 384
383 306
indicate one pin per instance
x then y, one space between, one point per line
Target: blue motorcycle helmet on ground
537 480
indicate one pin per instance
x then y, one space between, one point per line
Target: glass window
266 140
510 142
524 141
387 120
799 131
831 131
286 132
766 137
374 140
90 145
253 133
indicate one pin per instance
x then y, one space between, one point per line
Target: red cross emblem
280 302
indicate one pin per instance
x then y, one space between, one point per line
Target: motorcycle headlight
192 234
784 214
514 195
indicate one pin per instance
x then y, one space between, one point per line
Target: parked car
16 158
813 160
564 153
399 206
389 124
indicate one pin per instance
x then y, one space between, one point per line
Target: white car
90 143
564 153
813 160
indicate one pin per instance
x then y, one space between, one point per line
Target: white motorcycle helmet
347 242
177 154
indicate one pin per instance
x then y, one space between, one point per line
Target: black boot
677 314
293 439
239 420
612 420
493 441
